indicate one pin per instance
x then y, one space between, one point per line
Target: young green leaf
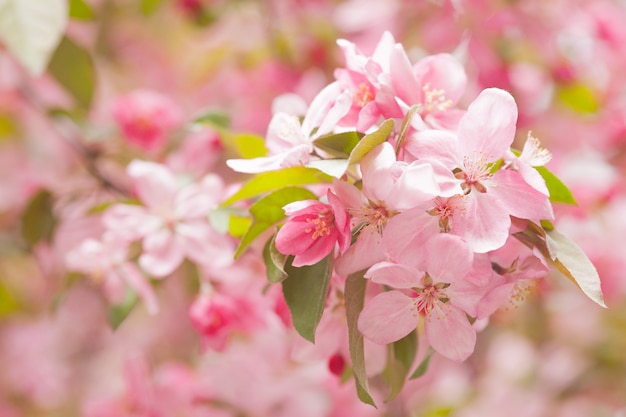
38 219
370 141
215 119
578 97
559 193
80 10
73 68
572 262
118 313
274 262
400 357
354 297
149 6
274 180
250 146
268 211
339 145
305 291
423 366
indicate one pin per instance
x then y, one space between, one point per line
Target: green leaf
339 145
250 146
274 262
370 141
216 119
423 366
32 29
400 357
572 262
80 10
8 302
305 291
73 68
238 225
38 219
406 124
354 297
559 193
118 313
268 211
274 180
578 97
148 7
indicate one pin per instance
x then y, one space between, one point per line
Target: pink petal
448 258
204 245
154 184
394 275
519 198
403 78
138 282
129 221
442 72
438 145
162 253
320 248
411 228
388 317
451 334
484 224
487 129
366 251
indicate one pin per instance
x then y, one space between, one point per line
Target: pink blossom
389 187
484 136
436 277
146 118
173 223
289 142
217 316
312 230
106 262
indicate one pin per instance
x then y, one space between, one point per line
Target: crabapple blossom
431 282
173 223
146 118
484 136
312 230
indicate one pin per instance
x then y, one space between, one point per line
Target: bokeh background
63 152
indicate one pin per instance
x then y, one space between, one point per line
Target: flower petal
388 317
451 334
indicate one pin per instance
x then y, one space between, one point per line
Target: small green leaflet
80 10
305 290
559 193
370 141
354 300
38 219
269 210
339 145
274 180
274 262
423 366
400 357
118 313
72 66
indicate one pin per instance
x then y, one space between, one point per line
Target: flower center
374 216
364 95
431 297
446 209
435 100
475 171
320 225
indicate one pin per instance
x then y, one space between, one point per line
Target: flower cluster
429 202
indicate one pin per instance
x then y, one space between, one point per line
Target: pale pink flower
312 230
106 262
484 136
173 223
389 187
435 84
217 316
146 118
433 283
290 142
